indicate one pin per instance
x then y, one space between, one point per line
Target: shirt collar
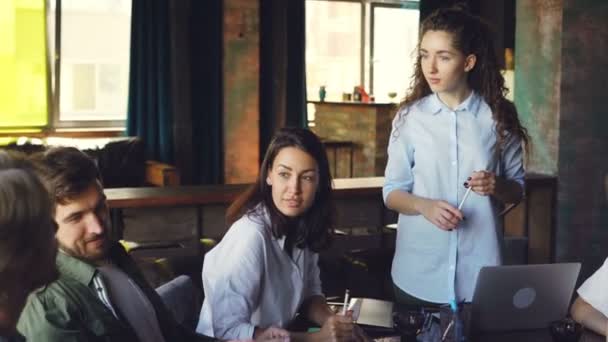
281 240
75 268
433 105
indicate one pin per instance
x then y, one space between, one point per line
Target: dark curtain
296 64
196 51
206 43
175 85
282 67
180 31
149 107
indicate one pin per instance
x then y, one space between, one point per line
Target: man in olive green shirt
27 244
100 294
73 310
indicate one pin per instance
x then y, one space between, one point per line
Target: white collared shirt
432 151
249 280
593 290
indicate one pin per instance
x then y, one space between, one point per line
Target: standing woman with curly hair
454 130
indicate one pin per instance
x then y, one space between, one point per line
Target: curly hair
471 36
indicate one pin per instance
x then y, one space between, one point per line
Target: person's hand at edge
271 334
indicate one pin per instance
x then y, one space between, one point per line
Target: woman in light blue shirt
454 130
264 271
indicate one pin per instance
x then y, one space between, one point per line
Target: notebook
372 312
522 297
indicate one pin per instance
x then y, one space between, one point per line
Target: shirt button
452 267
453 162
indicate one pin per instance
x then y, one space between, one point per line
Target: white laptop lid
523 296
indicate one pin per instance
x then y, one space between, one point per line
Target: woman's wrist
419 204
323 315
318 311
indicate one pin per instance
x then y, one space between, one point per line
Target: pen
466 194
346 293
445 333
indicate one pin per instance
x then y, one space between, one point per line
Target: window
64 64
394 37
356 42
93 55
333 46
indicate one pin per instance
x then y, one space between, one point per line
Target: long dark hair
472 36
313 228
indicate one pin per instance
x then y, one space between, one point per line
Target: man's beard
90 259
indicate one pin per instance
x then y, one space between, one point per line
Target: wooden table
358 205
189 212
216 194
534 336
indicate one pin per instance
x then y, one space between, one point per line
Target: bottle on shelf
322 93
357 94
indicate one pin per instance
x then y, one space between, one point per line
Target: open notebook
372 312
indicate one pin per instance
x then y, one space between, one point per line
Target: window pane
333 48
395 37
95 43
23 80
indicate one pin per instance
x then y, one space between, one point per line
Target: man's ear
469 62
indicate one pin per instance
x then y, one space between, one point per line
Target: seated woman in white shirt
264 271
591 307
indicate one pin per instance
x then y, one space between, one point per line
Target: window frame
367 58
361 34
54 126
55 122
404 4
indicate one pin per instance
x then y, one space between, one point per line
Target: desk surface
534 336
541 335
383 308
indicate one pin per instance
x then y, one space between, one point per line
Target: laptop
523 297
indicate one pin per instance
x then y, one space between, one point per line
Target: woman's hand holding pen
337 328
440 213
487 183
482 182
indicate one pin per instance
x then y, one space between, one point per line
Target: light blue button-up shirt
249 280
432 151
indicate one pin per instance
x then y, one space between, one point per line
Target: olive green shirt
68 310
